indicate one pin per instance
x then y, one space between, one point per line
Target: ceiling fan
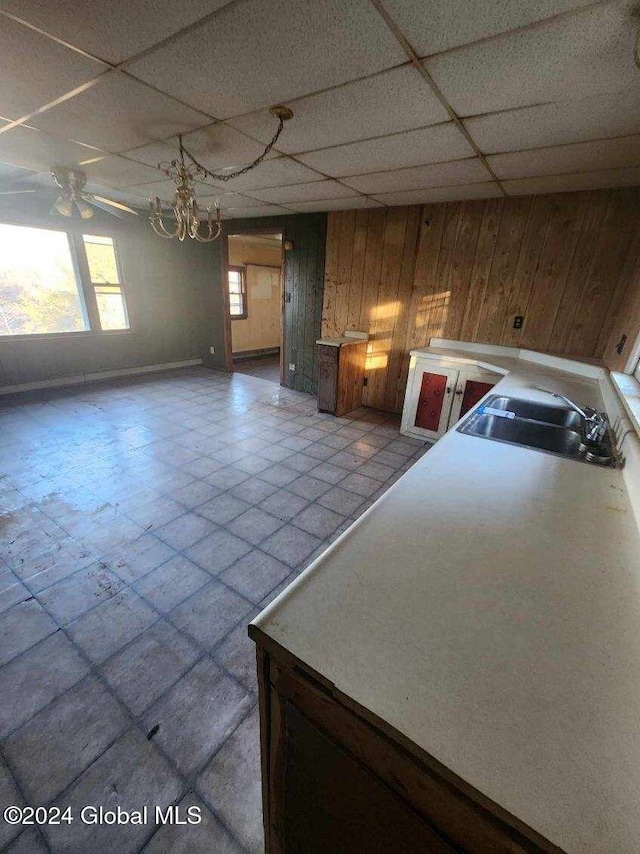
74 197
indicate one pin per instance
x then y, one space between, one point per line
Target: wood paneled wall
464 270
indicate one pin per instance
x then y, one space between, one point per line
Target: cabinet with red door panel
439 394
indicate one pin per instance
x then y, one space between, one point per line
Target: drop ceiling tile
412 148
558 123
259 210
119 196
117 114
352 203
304 192
585 55
118 172
163 189
469 171
579 181
222 148
25 146
278 172
157 152
486 190
225 200
581 157
255 54
432 26
390 102
115 30
36 70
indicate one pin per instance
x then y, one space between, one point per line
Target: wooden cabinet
335 778
438 395
340 376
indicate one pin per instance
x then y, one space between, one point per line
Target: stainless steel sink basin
538 411
552 429
532 434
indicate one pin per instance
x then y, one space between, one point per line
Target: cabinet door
428 402
470 389
328 360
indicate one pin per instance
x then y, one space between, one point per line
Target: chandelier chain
236 174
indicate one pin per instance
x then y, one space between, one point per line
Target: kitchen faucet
594 423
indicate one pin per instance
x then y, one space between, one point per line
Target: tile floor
143 523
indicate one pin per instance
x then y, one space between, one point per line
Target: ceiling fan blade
15 192
98 203
113 204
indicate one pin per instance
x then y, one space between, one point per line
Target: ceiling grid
395 101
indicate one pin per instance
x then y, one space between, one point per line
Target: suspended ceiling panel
547 91
558 123
486 190
120 112
118 172
113 30
219 147
38 151
274 173
258 210
468 171
163 189
433 26
304 192
386 103
269 52
353 202
224 199
36 70
588 54
581 181
582 157
429 145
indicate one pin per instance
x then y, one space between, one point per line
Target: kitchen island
461 669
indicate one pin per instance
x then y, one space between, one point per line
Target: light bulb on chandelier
183 171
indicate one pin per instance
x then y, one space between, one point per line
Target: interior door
428 402
470 389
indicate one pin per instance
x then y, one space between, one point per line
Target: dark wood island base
336 778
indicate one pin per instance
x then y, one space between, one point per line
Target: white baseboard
61 382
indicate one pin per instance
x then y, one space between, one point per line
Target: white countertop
488 608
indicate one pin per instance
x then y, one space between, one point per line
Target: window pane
234 277
102 259
236 307
38 288
111 308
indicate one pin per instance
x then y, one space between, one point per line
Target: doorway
253 281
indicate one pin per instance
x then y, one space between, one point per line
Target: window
237 293
53 282
103 272
39 290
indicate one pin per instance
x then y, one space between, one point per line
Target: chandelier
183 171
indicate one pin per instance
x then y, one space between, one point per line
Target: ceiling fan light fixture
64 206
85 210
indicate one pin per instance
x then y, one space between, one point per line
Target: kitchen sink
544 437
552 429
538 412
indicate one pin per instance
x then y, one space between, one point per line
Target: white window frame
86 292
